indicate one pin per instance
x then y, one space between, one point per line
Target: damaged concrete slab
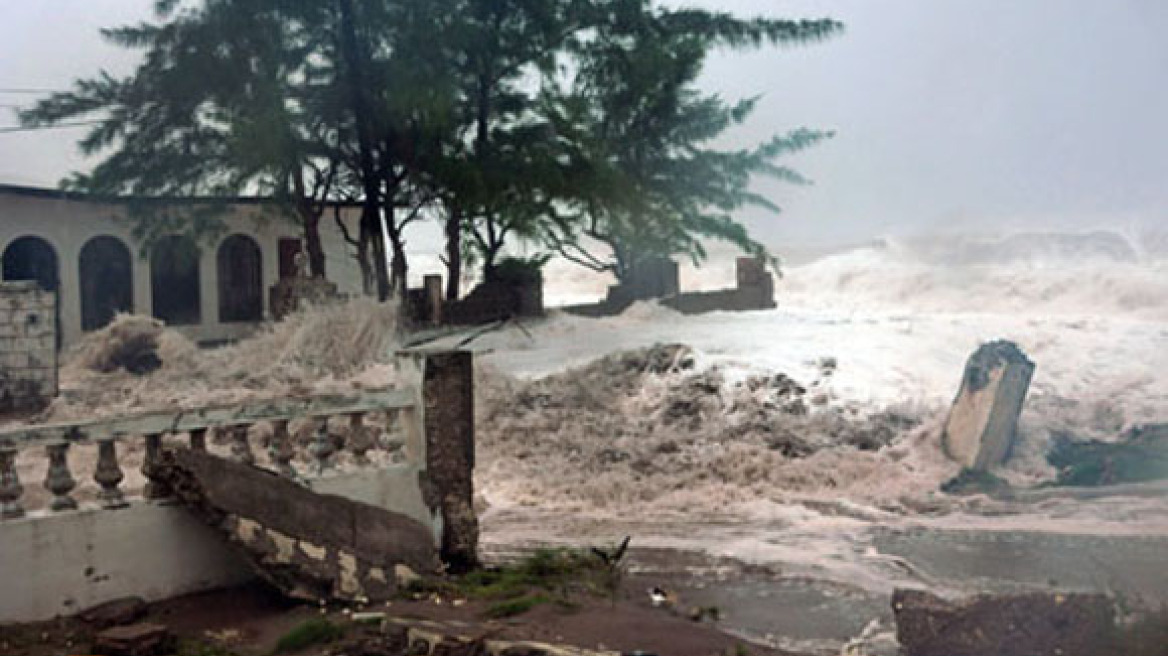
311 546
1015 625
980 429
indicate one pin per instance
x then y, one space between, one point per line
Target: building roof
80 196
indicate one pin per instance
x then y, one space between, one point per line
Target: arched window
174 280
107 281
32 258
241 280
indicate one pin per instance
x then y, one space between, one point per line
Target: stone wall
755 290
28 346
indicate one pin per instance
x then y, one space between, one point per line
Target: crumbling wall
28 346
755 290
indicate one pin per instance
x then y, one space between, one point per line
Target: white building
212 290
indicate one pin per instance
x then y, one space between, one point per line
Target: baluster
58 480
280 450
322 446
415 444
240 447
155 489
198 438
109 475
360 439
10 488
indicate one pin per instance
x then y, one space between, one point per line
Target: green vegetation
515 607
546 576
308 633
574 125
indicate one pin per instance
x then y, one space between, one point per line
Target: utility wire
36 91
49 127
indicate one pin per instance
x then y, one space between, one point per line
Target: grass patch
308 633
515 607
546 576
558 571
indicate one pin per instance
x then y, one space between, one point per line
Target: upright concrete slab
982 423
448 399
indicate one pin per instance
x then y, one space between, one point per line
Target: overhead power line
28 90
75 124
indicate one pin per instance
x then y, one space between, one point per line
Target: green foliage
546 576
646 180
311 632
561 122
520 270
514 607
560 571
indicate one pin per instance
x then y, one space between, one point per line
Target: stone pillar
448 400
432 287
28 346
980 429
756 287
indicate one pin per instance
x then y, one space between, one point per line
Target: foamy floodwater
589 453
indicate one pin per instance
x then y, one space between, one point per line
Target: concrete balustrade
93 537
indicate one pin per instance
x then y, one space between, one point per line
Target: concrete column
69 294
143 300
208 291
448 400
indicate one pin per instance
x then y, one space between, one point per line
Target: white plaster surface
59 564
68 224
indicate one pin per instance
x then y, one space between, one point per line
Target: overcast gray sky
951 115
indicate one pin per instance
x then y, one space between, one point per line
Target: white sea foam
899 319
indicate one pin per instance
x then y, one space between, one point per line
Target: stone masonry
28 346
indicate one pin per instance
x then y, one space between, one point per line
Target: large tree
552 121
648 179
228 100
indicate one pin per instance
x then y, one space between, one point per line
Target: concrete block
1018 625
135 640
980 430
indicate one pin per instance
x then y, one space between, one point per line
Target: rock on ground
1018 625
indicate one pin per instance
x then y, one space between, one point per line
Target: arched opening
241 280
174 281
32 258
107 281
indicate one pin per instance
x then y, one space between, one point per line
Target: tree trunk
370 216
312 244
453 252
310 221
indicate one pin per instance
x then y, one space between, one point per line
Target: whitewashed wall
68 223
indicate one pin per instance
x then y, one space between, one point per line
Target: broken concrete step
134 640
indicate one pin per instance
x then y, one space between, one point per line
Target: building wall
28 346
68 223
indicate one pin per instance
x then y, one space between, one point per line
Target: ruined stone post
448 399
432 287
980 429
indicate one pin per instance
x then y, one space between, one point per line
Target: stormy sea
797 451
